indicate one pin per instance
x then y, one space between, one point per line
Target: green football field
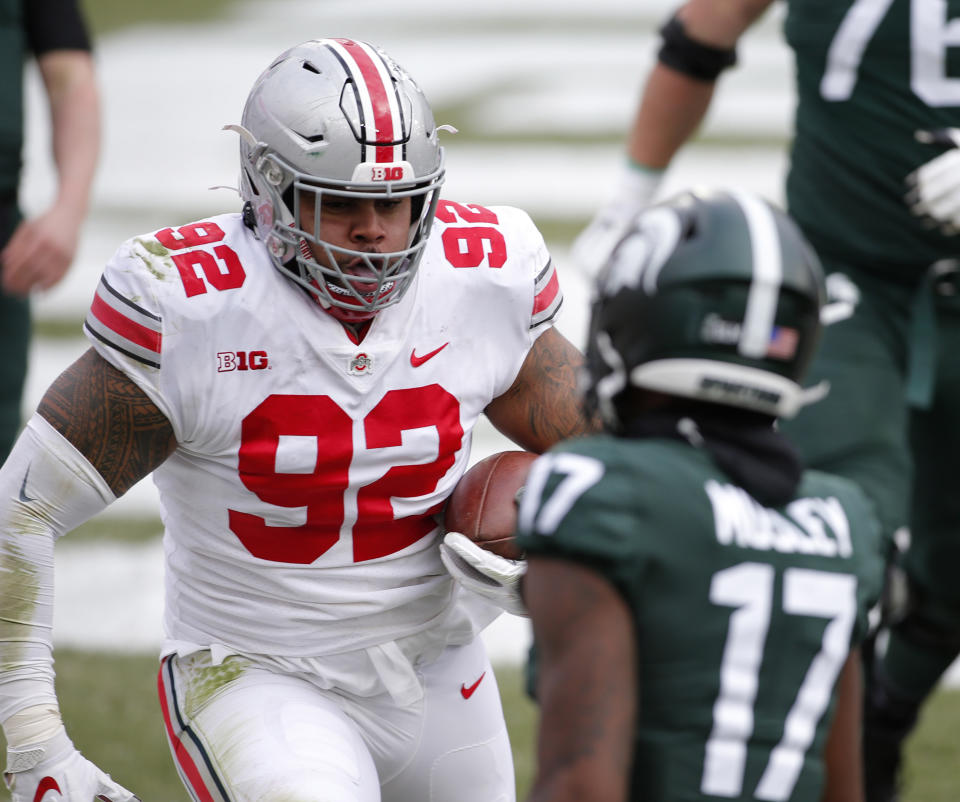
110 705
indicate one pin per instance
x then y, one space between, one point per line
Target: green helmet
714 296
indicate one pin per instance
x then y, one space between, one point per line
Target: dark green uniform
26 27
12 39
868 77
14 312
743 615
870 73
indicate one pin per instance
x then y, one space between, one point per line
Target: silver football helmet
338 117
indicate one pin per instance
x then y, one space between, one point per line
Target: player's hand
40 252
632 194
934 187
495 578
57 766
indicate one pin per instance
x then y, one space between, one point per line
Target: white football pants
240 732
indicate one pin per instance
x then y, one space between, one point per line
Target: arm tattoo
544 406
555 409
109 419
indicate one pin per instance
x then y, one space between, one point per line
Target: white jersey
300 506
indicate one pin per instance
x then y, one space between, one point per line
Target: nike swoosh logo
417 361
46 784
23 494
466 692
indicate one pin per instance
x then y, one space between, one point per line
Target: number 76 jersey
299 506
743 615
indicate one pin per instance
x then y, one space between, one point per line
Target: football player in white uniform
302 379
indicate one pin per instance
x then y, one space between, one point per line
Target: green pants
860 430
14 342
905 454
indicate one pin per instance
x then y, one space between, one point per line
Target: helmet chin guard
727 383
336 118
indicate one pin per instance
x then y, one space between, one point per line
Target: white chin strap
727 383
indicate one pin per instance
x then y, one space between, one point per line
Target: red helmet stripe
377 97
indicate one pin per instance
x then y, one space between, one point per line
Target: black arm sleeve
54 25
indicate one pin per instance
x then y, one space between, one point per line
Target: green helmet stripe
767 276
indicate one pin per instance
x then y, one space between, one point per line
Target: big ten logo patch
241 360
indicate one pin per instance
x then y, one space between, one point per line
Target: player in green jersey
697 600
35 253
876 190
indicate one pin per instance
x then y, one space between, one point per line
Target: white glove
489 575
935 186
633 193
57 766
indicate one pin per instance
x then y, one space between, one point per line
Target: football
483 504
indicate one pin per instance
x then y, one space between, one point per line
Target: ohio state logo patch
360 365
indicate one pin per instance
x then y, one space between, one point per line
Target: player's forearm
75 117
46 489
671 110
697 46
586 682
26 611
843 756
571 770
575 786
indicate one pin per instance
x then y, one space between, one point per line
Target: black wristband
692 58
